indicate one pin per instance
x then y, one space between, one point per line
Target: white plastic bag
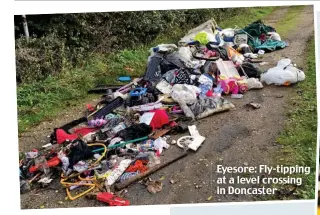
185 54
160 143
185 92
254 83
283 74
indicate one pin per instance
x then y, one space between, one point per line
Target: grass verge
299 139
289 22
42 100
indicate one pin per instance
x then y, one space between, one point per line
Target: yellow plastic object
103 154
92 185
81 194
202 37
97 161
78 183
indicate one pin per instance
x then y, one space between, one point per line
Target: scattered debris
181 84
154 186
254 105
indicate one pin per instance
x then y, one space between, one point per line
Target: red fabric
139 165
263 37
209 93
84 131
173 124
62 136
159 119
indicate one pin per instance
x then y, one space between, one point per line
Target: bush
65 40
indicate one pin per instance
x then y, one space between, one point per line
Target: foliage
38 96
299 139
62 41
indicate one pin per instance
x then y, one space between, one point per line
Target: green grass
289 22
243 20
299 139
43 100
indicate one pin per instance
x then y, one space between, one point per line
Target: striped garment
128 175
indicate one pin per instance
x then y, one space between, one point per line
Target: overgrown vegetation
299 139
43 97
67 40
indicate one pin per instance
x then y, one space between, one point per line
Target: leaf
41 206
162 178
209 198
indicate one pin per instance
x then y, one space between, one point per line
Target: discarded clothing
251 70
125 176
177 76
80 167
62 136
139 165
257 28
79 150
259 40
153 72
268 45
135 132
67 127
206 84
159 119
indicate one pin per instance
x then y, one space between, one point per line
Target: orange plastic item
231 51
55 161
287 83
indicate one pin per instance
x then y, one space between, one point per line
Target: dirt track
236 138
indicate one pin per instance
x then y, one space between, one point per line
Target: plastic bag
283 74
202 37
254 83
185 92
185 54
